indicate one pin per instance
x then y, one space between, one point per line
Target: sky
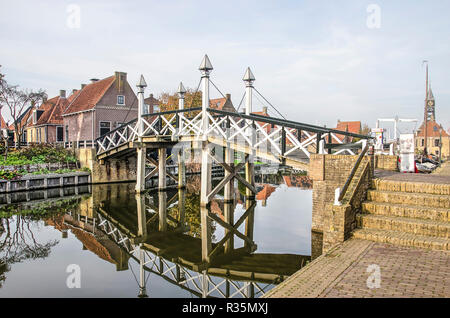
315 61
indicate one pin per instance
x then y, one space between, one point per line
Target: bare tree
17 102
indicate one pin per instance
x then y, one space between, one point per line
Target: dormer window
120 100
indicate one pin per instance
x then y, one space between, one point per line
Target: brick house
151 104
348 126
22 121
437 139
224 104
46 123
99 107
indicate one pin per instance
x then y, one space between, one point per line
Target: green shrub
39 153
10 175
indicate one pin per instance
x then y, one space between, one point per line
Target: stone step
411 187
403 239
409 211
419 199
402 224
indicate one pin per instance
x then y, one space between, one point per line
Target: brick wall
80 126
385 162
112 170
328 173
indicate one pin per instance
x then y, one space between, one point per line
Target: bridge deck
296 160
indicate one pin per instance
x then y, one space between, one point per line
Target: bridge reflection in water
167 233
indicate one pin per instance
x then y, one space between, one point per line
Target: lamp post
205 68
248 79
141 151
180 154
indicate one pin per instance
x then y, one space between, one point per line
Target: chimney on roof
83 86
121 78
265 110
93 80
228 96
74 91
62 93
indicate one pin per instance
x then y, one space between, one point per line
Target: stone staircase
406 213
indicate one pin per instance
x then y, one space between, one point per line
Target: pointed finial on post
142 84
248 76
205 66
181 90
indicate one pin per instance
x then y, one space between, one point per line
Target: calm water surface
40 238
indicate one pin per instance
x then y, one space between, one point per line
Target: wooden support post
229 186
141 216
329 141
181 169
283 145
250 178
249 223
250 290
299 135
318 137
205 175
206 234
229 219
181 206
162 211
140 173
162 169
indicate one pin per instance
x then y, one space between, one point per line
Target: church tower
430 106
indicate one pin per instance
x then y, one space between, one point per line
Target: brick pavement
405 272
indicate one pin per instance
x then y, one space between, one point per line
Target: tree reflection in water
17 224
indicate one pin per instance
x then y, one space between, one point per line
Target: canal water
93 237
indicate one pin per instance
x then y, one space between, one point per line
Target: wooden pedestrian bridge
217 136
207 135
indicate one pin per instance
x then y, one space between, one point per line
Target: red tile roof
432 130
53 109
224 104
89 96
265 193
23 118
349 126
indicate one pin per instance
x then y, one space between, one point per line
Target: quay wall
110 170
44 181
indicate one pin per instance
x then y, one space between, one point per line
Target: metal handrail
352 173
289 123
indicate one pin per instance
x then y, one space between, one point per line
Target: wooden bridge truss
191 277
267 138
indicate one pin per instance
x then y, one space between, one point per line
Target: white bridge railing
276 137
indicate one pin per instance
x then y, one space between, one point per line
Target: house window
120 100
155 108
436 142
423 142
67 133
59 133
105 127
